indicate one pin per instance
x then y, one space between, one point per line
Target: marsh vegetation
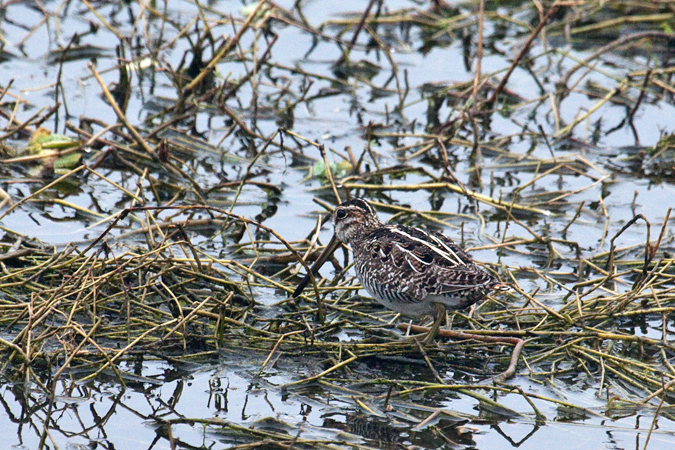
167 169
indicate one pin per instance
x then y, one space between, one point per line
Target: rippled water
219 401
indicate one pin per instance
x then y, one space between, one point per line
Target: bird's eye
341 214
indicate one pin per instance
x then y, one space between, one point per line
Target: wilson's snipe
408 270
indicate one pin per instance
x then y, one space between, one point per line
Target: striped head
353 218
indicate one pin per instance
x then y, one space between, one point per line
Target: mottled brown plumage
406 269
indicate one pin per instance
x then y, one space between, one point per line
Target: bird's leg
438 320
407 333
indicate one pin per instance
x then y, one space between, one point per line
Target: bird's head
352 218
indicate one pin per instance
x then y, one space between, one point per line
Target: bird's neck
359 232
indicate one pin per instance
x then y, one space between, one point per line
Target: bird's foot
430 338
415 337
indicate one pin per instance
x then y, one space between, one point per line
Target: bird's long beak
323 257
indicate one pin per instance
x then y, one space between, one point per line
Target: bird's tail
502 287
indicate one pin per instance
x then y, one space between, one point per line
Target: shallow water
346 411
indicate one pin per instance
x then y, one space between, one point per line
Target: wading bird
408 270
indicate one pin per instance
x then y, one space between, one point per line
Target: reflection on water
234 408
395 113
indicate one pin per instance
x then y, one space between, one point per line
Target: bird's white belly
414 310
397 302
402 303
